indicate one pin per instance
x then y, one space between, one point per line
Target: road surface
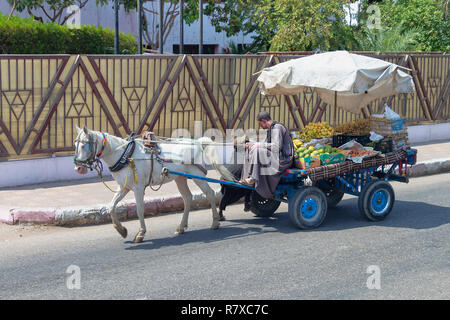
407 256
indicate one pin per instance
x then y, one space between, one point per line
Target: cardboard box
307 162
327 158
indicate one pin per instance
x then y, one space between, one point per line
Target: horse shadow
346 216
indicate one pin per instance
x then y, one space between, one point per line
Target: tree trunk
12 10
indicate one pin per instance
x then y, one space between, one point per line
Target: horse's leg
139 196
112 211
187 199
209 193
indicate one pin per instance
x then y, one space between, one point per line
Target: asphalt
85 201
246 258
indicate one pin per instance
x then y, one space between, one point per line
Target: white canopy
356 80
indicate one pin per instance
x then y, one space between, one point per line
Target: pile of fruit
361 153
309 157
315 130
356 127
304 152
297 143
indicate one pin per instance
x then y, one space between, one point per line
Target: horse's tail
213 158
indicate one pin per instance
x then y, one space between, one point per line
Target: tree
395 39
308 25
285 24
446 9
171 11
54 10
424 16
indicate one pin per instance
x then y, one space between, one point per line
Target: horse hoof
122 231
138 239
179 231
215 226
222 218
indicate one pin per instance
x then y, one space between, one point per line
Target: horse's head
85 150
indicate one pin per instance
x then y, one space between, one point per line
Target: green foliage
395 39
307 25
425 17
25 36
298 25
285 25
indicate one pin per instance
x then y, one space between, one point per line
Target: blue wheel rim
380 201
309 208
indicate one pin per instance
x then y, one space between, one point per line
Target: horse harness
150 145
93 160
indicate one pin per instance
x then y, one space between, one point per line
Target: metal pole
335 108
181 27
139 22
116 29
200 12
161 27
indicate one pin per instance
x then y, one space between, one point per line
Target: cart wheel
376 200
308 208
334 196
263 207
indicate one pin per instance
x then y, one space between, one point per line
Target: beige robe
266 163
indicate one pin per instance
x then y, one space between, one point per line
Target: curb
76 216
430 167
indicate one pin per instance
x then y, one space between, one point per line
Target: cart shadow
229 229
405 214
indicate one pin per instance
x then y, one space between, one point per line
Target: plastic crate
384 146
340 139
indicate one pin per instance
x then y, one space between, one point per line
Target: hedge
25 36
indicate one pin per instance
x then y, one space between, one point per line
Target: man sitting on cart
266 161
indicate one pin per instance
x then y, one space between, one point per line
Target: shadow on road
405 214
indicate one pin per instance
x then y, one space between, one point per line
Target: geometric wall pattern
42 98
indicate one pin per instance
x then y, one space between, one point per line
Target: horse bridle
93 156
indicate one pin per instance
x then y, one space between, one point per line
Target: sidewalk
86 201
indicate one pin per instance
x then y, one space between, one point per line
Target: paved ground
247 258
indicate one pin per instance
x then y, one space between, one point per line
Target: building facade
91 14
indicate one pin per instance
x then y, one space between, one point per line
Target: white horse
90 146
